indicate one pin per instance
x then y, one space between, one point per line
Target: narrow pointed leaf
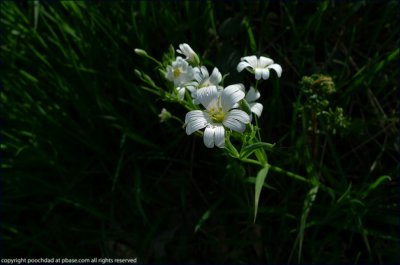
262 174
248 150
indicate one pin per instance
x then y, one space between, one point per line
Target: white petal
252 95
192 88
242 65
231 95
181 92
220 136
236 119
215 77
264 62
258 73
234 125
265 73
239 115
194 126
277 68
186 48
169 75
204 72
197 71
199 74
185 78
208 137
256 108
252 60
179 61
206 94
195 115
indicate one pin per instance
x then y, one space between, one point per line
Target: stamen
177 72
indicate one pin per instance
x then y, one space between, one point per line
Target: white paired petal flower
186 50
259 66
251 97
218 114
181 73
204 80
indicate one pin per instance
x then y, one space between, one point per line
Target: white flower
186 50
259 66
204 80
181 73
251 97
218 114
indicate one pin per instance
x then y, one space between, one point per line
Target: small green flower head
164 115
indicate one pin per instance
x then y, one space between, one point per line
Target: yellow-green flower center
204 84
216 114
177 72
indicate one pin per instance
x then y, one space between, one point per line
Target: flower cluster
219 108
215 110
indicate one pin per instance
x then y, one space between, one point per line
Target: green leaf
36 9
345 194
262 174
254 179
28 76
253 45
248 150
206 215
375 184
308 202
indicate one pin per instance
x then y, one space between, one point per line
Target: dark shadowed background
88 170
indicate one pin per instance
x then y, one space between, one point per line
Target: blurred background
88 170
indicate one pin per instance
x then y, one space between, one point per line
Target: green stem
251 161
289 174
176 118
314 182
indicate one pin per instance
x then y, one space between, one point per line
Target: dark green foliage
88 170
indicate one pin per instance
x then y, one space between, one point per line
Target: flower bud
141 52
164 115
